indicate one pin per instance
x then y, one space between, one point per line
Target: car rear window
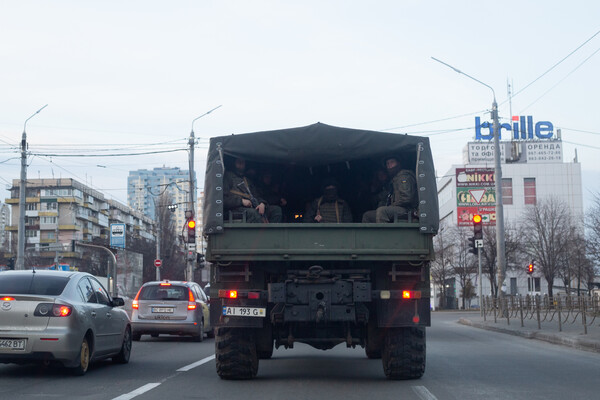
32 284
155 292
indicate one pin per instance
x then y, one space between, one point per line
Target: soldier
240 195
329 207
378 196
403 192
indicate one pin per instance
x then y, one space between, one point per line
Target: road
462 363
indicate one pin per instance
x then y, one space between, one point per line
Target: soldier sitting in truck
241 197
403 192
328 208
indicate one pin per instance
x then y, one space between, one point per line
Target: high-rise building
144 188
4 222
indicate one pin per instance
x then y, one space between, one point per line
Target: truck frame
362 284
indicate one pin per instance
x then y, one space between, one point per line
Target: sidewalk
572 334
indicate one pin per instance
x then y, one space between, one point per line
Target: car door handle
94 314
108 315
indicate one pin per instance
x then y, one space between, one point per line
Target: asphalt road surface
462 363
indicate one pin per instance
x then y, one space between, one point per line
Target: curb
577 343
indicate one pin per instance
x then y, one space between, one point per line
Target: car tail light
52 310
192 300
7 298
165 284
135 304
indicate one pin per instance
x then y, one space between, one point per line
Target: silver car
48 316
171 307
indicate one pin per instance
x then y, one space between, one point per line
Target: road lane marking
196 364
423 393
137 392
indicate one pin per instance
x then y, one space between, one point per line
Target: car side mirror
118 302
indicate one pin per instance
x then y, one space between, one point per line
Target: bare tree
548 226
173 257
593 230
440 268
461 264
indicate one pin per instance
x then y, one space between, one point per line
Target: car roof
44 272
184 283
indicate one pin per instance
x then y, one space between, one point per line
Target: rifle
253 199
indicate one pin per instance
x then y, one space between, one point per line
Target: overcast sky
134 74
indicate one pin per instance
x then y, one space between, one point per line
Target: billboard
475 194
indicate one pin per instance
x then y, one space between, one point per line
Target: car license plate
12 344
162 309
244 311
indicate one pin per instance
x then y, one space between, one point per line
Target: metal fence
560 309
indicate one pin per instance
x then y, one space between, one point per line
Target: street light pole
20 264
192 198
500 240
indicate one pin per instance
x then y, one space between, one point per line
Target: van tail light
192 300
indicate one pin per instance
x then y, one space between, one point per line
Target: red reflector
49 339
416 319
8 298
253 295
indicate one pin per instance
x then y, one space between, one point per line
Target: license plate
12 344
162 309
244 311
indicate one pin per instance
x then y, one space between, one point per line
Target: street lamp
192 139
500 243
20 264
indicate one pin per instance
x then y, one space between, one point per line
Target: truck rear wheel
235 353
403 353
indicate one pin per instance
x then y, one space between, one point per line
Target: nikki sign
522 128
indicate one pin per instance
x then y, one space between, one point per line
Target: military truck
323 284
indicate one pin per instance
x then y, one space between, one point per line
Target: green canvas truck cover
318 145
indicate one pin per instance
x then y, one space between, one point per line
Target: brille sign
522 128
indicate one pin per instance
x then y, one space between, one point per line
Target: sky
129 77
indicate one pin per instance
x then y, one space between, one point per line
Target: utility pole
500 243
192 246
20 264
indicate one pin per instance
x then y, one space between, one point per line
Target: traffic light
11 263
531 268
477 227
472 248
191 231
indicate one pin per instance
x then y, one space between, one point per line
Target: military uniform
330 211
403 197
237 187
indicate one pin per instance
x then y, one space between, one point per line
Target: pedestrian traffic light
191 231
472 248
11 263
477 227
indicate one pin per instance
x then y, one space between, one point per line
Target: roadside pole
480 283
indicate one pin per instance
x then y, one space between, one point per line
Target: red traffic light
530 269
476 219
191 224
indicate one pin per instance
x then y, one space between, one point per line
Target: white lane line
137 392
423 393
197 363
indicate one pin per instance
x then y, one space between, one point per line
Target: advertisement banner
475 194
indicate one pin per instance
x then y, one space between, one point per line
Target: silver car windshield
32 284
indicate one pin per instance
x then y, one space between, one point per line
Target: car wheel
125 353
84 358
200 338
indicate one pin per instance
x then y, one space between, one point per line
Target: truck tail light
228 294
411 294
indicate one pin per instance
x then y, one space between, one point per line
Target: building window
507 191
513 286
32 206
31 233
529 185
536 282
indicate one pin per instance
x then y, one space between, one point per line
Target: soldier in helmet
402 198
